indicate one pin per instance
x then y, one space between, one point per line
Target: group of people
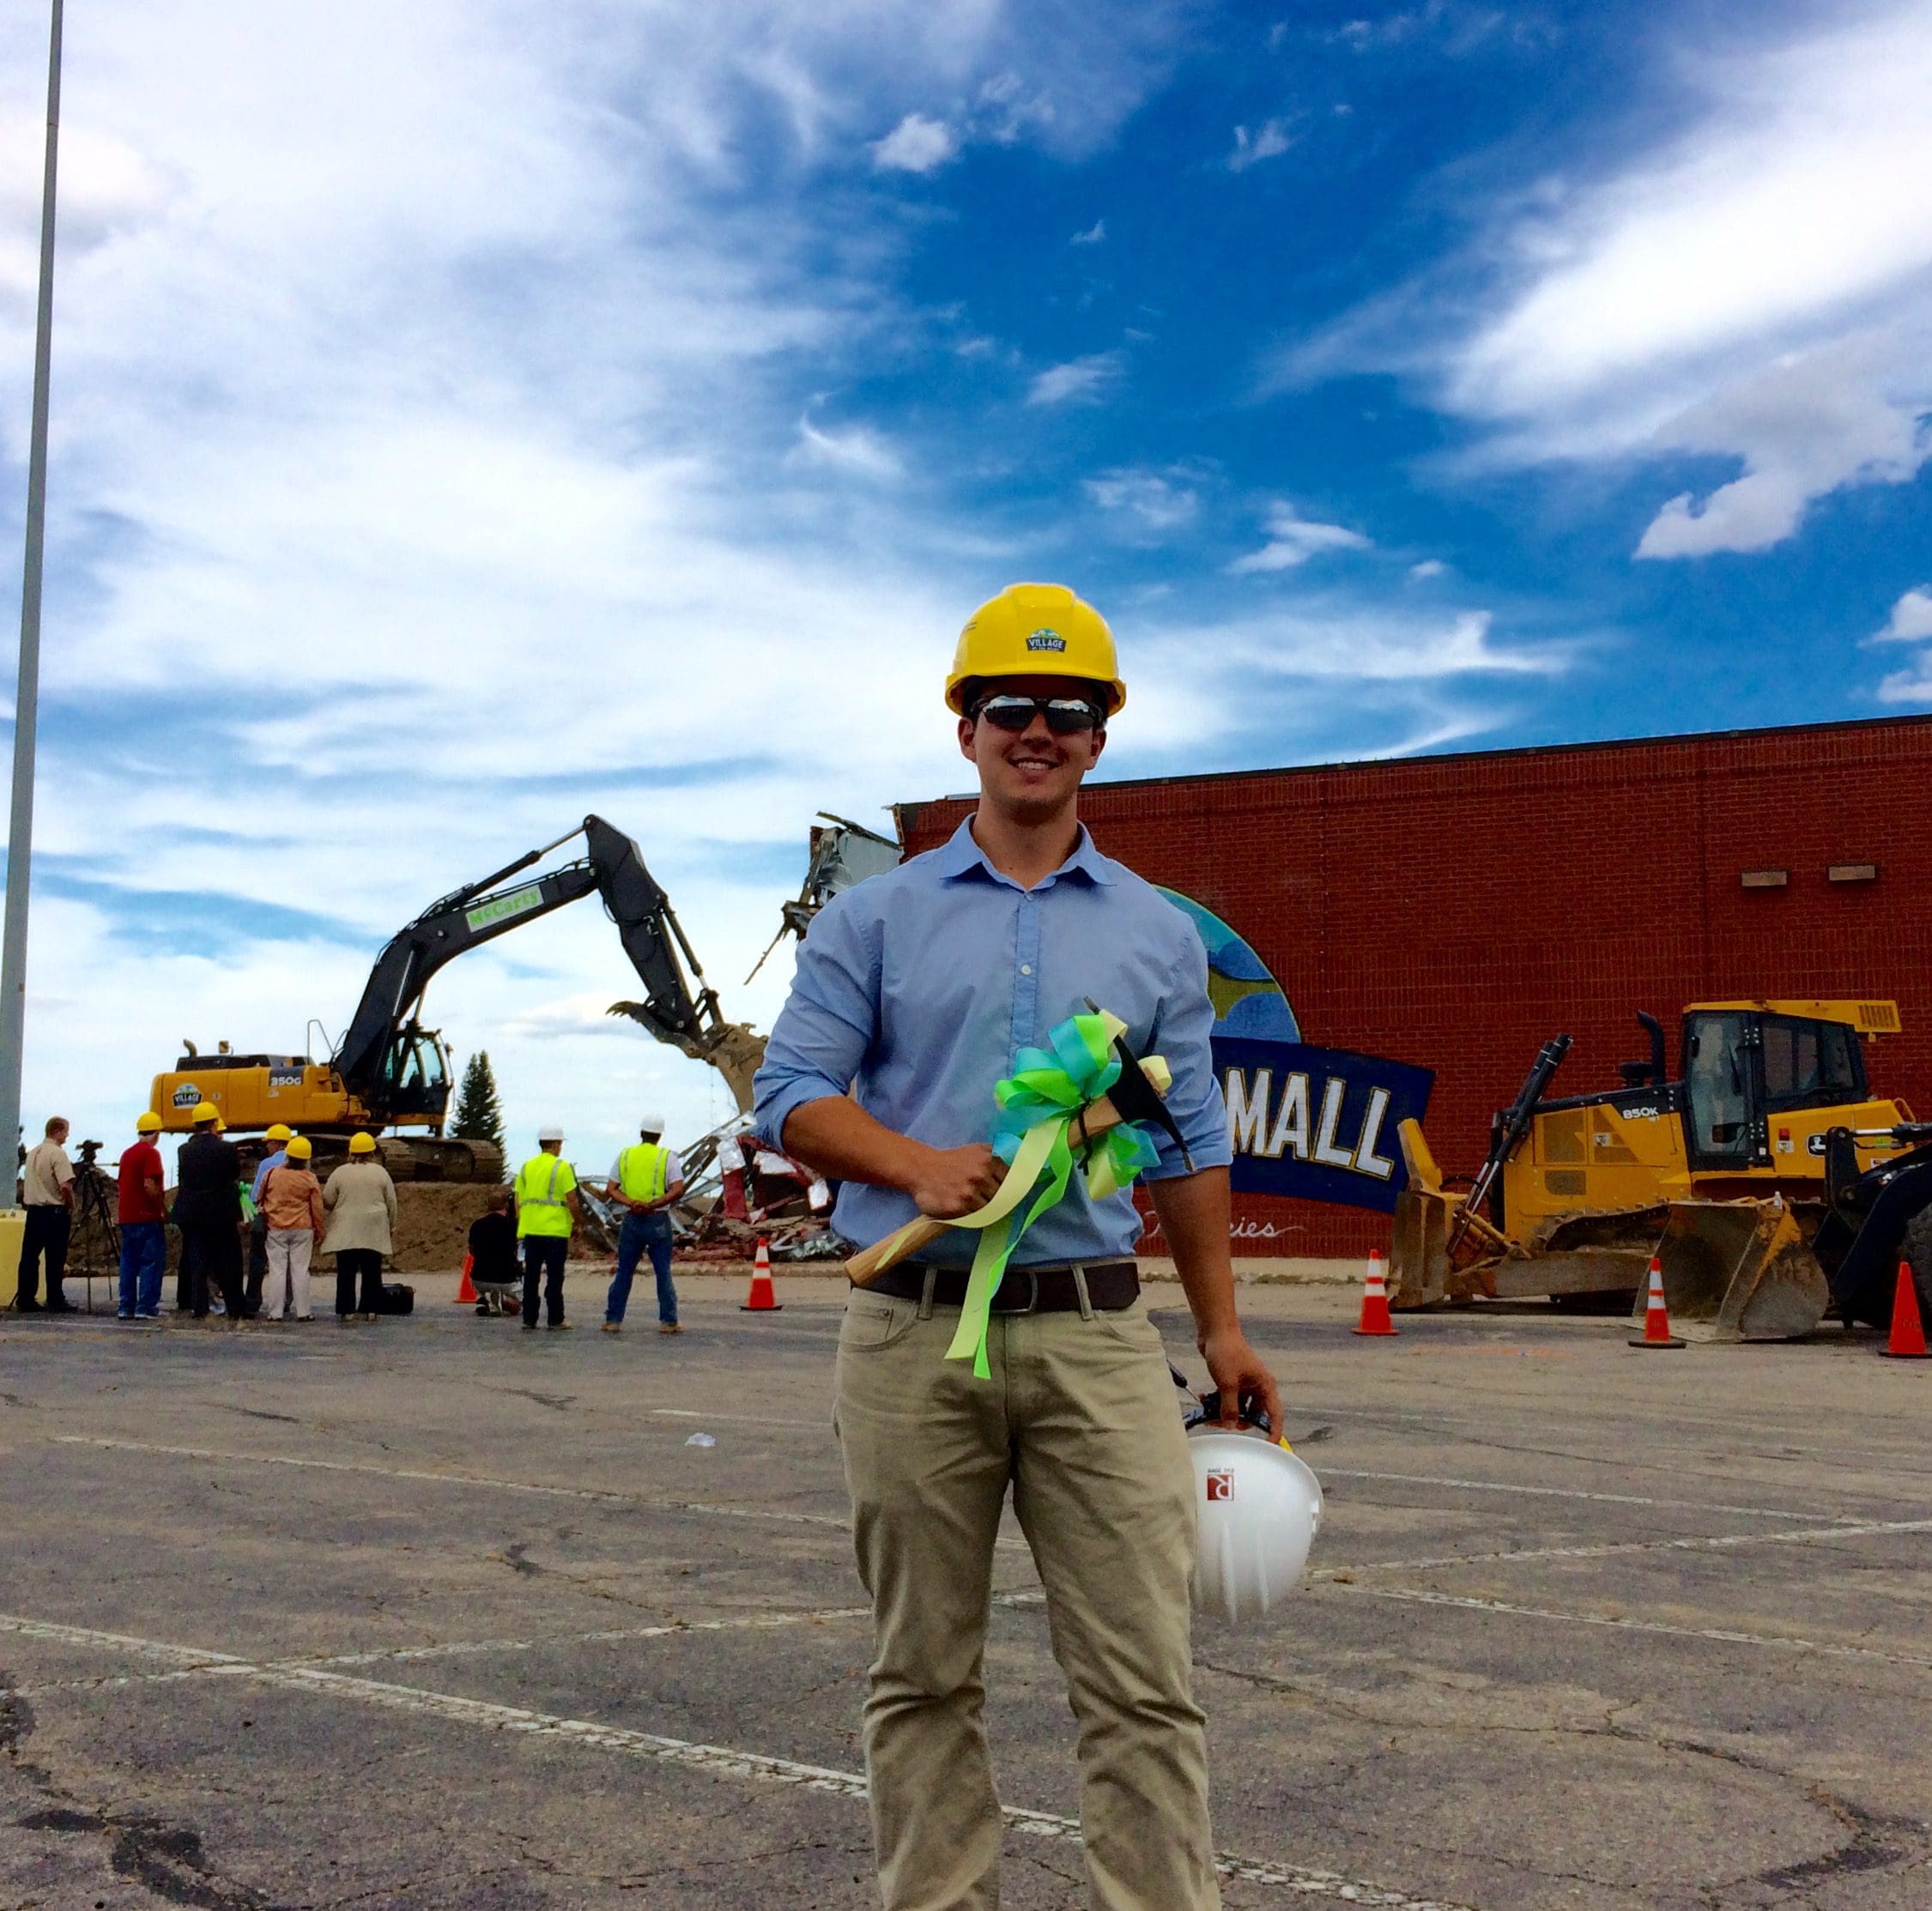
251 1242
528 1252
247 1241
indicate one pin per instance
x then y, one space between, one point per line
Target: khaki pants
1081 1416
289 1250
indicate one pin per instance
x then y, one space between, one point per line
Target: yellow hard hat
1035 630
204 1113
147 1123
359 1143
278 1131
299 1148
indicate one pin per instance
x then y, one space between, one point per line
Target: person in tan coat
360 1201
292 1208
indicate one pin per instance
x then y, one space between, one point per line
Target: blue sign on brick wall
1318 1124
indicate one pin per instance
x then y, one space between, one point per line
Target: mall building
1455 912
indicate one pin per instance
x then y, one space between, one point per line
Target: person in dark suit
207 1212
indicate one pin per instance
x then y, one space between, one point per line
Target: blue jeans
143 1260
638 1232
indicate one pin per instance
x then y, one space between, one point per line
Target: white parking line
461 1648
605 1493
1806 1536
1784 1641
710 1508
1577 1493
721 1760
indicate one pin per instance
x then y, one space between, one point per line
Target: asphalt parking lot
436 1613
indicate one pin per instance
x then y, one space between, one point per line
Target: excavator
391 1072
1771 1182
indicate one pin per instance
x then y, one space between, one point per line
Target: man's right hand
952 1182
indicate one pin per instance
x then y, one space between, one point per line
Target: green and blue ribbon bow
1039 1102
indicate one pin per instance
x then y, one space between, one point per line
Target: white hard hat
1260 1508
650 1124
550 1134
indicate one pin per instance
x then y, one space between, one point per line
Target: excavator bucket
1738 1271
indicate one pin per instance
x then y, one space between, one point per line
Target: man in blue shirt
915 990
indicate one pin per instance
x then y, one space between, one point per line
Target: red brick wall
1456 911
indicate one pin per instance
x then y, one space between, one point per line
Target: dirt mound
433 1221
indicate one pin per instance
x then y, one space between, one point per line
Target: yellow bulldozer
1767 1178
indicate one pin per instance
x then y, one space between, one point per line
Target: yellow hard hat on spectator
299 1148
359 1143
1035 630
204 1113
147 1123
278 1131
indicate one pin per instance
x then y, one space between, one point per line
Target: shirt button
1026 968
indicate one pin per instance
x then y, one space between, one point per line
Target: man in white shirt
644 1180
46 1183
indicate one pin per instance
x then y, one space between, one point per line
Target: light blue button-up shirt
270 1164
922 985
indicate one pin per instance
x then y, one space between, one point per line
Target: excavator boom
388 1069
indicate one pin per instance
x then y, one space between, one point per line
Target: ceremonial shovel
1133 1097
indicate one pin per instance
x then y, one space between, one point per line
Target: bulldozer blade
1419 1270
1738 1271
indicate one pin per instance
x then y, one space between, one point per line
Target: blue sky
472 415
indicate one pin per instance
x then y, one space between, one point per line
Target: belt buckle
1032 1291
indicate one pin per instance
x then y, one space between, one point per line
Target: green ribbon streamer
1039 1102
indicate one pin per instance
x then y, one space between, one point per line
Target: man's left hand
1237 1369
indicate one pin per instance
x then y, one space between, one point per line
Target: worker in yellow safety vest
547 1209
644 1180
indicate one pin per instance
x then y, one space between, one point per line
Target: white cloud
1910 620
1094 235
1844 414
1429 567
1757 288
1292 539
1368 646
1268 142
857 449
916 144
1158 502
1083 381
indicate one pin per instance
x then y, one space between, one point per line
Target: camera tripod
95 1199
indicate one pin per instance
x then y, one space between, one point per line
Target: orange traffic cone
1657 1317
762 1299
466 1295
1908 1331
1375 1298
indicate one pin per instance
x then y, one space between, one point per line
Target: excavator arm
385 1024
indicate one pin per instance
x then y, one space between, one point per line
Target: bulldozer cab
1760 1077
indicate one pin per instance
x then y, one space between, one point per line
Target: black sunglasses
1065 716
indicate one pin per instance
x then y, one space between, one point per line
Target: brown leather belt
1111 1285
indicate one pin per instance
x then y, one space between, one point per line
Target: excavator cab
416 1077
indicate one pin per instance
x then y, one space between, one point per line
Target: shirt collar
960 855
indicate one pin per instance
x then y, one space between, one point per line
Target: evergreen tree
478 1113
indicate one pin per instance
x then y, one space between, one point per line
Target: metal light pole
20 835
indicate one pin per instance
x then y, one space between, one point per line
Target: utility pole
27 700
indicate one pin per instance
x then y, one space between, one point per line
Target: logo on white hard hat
1220 1483
1046 640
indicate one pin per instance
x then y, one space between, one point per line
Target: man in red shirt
143 1218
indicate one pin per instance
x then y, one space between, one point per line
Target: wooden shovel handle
870 1263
